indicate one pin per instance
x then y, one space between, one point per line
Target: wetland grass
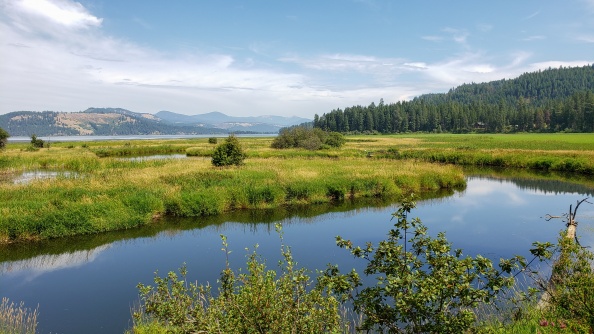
113 194
17 319
110 193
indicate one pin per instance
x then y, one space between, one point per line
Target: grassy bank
95 190
550 152
109 193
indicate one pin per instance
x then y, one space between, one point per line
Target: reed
17 319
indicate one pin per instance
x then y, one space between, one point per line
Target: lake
53 139
88 284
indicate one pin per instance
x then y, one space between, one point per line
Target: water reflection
154 157
87 284
49 262
30 176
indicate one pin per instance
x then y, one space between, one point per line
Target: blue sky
250 58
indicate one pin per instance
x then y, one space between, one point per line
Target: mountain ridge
120 121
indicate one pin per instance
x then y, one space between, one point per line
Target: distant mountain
93 121
219 120
118 121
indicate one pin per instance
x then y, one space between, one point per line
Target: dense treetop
553 100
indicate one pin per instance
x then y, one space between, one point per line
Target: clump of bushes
212 140
3 138
36 142
228 153
258 301
307 138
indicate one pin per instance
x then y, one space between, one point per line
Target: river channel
88 284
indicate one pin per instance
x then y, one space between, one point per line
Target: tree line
552 100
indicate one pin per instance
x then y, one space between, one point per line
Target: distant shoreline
21 139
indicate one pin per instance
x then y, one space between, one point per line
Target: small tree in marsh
228 153
36 142
3 138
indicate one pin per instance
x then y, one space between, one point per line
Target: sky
274 57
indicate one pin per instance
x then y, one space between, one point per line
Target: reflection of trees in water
545 182
256 221
545 186
49 262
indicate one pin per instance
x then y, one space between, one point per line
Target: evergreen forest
553 100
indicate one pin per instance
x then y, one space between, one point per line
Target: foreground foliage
259 301
422 286
17 319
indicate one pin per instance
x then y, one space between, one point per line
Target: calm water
88 285
52 139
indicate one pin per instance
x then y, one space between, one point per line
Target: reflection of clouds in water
486 187
46 263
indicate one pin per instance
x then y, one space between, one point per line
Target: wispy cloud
458 35
433 38
585 38
531 16
534 38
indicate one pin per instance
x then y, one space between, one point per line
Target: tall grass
17 319
110 193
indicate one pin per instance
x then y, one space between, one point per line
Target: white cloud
533 15
458 35
433 38
66 13
585 38
534 38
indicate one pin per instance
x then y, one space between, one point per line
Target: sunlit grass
111 193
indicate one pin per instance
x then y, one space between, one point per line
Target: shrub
3 138
307 138
212 140
421 286
259 301
36 142
228 153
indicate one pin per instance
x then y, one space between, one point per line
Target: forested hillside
552 100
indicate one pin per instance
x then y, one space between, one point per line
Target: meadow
97 189
103 191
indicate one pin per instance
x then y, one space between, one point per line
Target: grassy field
550 152
96 190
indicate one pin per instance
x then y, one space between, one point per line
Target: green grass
549 152
109 193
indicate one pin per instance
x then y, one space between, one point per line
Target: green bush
307 138
212 140
3 138
422 287
259 301
36 142
228 153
